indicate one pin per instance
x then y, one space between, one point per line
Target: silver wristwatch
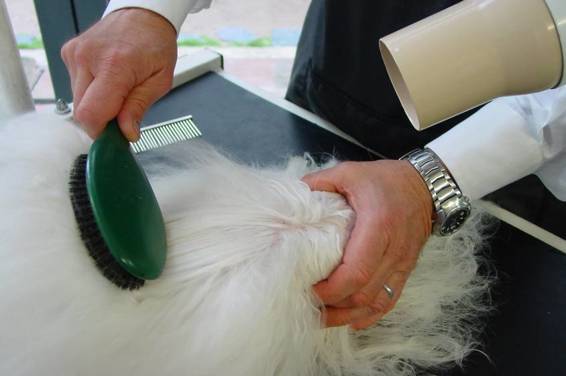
452 208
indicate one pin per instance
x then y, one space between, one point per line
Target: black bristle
90 234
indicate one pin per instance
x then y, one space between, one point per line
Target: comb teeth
166 133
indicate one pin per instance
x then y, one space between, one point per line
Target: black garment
339 75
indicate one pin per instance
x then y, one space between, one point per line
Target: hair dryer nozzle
470 53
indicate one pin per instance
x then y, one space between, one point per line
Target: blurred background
257 38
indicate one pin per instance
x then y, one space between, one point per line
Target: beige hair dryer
473 52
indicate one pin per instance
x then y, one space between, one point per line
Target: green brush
117 213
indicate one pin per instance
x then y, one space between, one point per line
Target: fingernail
136 131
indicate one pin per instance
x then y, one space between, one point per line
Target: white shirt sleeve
506 140
173 10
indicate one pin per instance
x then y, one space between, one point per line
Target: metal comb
166 133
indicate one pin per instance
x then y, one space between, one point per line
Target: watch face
454 220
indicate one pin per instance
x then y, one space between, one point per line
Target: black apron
339 75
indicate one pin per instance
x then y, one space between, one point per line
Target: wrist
419 189
142 17
451 207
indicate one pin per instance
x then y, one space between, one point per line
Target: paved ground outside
230 27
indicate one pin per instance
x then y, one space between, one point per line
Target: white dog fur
245 246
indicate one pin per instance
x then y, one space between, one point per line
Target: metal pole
15 96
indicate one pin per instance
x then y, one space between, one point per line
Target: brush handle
113 135
124 205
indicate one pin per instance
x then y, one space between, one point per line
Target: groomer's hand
119 67
393 221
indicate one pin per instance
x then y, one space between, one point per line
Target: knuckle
361 277
117 57
138 105
406 257
167 81
378 307
114 67
81 53
85 116
67 50
406 264
123 54
120 73
345 167
369 311
79 57
361 299
73 52
161 89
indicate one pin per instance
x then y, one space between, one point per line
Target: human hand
119 67
393 221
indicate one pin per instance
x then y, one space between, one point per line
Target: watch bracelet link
440 183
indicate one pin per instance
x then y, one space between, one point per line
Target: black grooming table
525 335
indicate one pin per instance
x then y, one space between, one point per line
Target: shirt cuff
175 11
490 149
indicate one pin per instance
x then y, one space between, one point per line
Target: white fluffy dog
245 247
